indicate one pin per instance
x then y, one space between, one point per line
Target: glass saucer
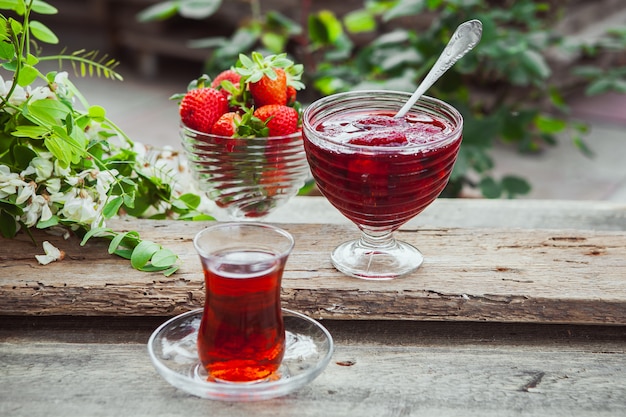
173 351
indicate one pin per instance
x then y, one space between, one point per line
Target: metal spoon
464 39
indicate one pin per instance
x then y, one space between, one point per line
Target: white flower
78 178
166 164
27 192
40 93
61 78
61 81
10 182
34 209
59 171
52 254
41 166
79 207
53 185
18 96
104 179
5 86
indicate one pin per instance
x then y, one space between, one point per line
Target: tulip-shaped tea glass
242 335
247 178
380 171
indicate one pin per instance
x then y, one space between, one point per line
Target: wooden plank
397 369
501 275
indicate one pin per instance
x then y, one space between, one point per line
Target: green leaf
96 231
359 21
164 258
324 27
32 60
480 132
599 86
42 7
123 253
619 86
160 11
242 40
399 58
142 253
112 206
117 241
32 132
274 42
548 124
58 147
8 225
74 145
129 200
48 111
27 75
536 64
405 8
11 208
42 32
196 217
397 36
169 271
23 155
53 221
7 50
516 124
16 27
15 5
198 9
278 21
191 200
97 113
588 71
490 188
557 99
513 185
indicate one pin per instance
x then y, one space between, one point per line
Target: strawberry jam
381 171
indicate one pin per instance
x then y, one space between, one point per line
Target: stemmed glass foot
376 258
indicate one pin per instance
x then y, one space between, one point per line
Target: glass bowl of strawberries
241 133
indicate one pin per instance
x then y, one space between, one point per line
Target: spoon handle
464 39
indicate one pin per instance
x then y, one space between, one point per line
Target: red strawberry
228 75
270 89
200 108
291 94
273 181
227 124
281 120
268 78
227 90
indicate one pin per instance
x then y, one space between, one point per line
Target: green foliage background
508 89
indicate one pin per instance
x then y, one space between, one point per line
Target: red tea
380 171
242 335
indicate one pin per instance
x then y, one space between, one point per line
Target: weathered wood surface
99 366
500 275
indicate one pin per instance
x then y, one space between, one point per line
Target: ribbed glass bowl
246 179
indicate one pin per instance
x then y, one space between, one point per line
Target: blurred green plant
64 165
511 89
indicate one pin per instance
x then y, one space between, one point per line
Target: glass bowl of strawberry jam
380 171
245 178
